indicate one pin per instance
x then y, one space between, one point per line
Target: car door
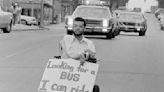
1 18
6 18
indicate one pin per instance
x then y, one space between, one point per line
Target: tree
75 3
161 3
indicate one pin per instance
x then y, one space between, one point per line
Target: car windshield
130 16
93 12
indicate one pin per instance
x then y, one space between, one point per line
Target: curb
35 29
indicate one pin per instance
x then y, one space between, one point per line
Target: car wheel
117 32
96 88
113 34
109 35
7 29
144 33
141 33
69 32
24 22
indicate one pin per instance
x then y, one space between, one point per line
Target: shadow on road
100 37
95 37
129 34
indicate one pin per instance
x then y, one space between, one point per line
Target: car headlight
138 29
70 22
105 23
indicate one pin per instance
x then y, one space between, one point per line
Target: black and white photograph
81 45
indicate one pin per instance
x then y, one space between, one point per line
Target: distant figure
14 12
19 11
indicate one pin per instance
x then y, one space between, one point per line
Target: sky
141 4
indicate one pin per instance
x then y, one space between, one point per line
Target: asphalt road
129 63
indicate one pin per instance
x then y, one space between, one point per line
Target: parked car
136 9
158 11
132 22
161 15
28 20
162 23
99 20
5 21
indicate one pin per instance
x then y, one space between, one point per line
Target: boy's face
78 28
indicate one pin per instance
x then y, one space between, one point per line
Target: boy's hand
83 58
91 54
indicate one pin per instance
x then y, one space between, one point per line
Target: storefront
34 9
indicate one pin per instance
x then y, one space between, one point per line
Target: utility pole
42 14
32 8
53 9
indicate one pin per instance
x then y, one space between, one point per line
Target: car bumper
130 28
93 30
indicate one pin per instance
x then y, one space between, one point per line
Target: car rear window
130 16
94 12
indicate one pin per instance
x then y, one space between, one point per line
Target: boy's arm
91 50
60 48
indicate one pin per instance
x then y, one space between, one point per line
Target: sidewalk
21 27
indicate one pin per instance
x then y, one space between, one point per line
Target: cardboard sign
67 75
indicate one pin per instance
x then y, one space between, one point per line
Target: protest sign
67 75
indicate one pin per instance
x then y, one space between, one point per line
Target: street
129 63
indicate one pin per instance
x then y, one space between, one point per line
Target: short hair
80 19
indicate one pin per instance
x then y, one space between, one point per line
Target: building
33 8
